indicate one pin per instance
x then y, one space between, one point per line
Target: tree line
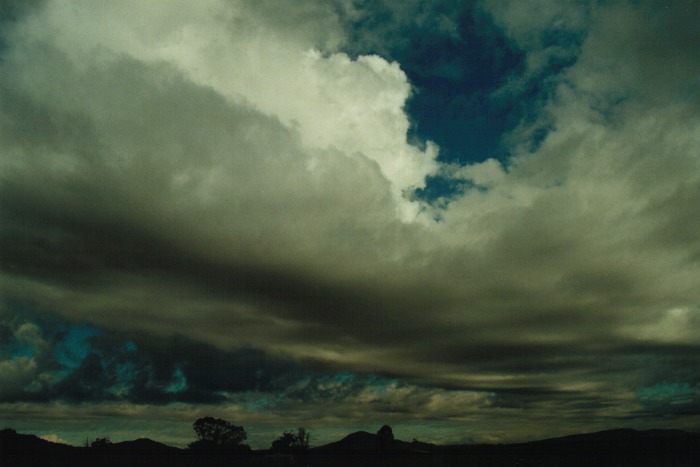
215 433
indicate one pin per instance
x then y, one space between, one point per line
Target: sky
475 221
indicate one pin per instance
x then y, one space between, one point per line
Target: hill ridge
607 447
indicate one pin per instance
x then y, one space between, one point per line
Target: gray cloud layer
226 174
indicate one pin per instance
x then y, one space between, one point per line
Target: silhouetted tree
100 443
303 438
292 442
217 433
284 442
386 436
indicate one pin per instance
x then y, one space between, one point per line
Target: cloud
85 364
22 355
388 25
213 182
16 373
246 54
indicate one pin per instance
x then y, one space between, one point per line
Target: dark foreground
608 448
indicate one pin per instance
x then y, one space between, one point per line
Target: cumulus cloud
22 355
208 171
16 373
245 52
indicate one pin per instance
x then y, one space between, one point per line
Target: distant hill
13 442
20 449
143 446
359 441
648 441
606 448
362 441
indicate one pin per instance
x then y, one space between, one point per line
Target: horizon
86 443
473 221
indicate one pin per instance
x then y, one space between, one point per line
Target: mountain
359 441
672 442
362 441
13 442
606 448
142 446
21 449
136 453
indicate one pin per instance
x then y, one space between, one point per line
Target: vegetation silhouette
607 448
215 433
290 449
100 442
219 443
291 442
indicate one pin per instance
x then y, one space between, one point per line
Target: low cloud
236 198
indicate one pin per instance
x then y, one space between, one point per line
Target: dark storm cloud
167 370
94 226
65 362
232 205
55 244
